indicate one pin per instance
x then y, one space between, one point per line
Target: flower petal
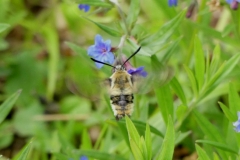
84 7
108 45
83 158
172 3
139 71
237 123
110 57
98 65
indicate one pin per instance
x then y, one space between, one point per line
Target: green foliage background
53 106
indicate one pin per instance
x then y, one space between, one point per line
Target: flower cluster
237 123
102 51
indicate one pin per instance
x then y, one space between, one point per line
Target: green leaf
60 156
136 150
97 3
202 155
3 27
181 136
211 32
181 111
7 105
199 62
143 148
81 52
178 89
148 141
192 80
86 140
141 126
221 74
219 145
133 14
167 148
165 101
23 154
132 131
98 155
101 135
52 43
215 60
231 117
171 49
229 66
209 130
234 101
164 32
107 29
135 46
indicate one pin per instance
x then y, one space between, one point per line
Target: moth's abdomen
122 105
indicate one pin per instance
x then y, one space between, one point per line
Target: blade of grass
167 148
219 145
202 155
141 126
7 105
209 130
23 154
106 28
199 62
3 27
148 141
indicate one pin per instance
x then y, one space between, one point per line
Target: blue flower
101 51
172 3
84 7
138 71
83 158
237 123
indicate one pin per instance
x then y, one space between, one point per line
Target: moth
121 88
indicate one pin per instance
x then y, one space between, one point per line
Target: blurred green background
63 107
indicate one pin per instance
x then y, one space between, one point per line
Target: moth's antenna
102 62
132 55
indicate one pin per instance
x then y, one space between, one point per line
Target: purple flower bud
190 10
234 5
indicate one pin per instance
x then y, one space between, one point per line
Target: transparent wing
155 79
90 88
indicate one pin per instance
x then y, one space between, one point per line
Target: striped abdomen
122 105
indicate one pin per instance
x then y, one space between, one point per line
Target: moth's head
119 68
118 64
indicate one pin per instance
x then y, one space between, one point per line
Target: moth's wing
106 83
155 79
90 88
